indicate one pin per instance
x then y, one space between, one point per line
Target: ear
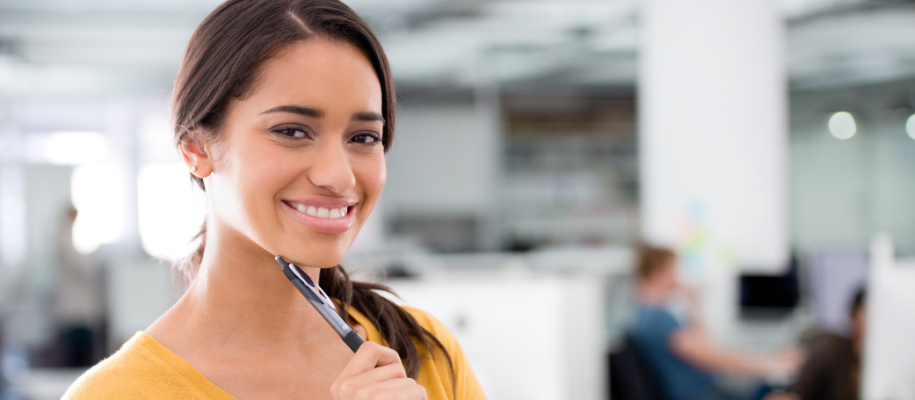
197 158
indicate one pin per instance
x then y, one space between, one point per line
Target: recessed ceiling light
842 125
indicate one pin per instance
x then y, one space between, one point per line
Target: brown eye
367 138
292 132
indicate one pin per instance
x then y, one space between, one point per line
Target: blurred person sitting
682 354
833 367
78 302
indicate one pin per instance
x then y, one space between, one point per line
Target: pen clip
312 286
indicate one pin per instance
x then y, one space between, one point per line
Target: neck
241 297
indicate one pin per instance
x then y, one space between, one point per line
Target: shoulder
449 344
656 317
436 371
115 377
142 369
434 326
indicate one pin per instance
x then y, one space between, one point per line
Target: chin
318 255
309 260
330 263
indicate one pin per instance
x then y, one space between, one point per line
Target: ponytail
397 327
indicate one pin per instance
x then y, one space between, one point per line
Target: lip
325 225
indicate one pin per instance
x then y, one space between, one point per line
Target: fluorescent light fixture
76 147
842 125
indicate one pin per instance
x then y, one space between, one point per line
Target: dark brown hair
857 301
652 259
221 64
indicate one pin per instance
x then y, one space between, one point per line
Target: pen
321 302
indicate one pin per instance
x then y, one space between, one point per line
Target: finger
367 358
382 373
361 387
400 389
347 387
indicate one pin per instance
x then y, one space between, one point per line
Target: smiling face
298 165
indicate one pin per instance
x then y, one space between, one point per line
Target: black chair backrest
631 377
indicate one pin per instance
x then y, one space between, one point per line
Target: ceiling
79 47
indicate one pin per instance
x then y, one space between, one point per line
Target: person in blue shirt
682 355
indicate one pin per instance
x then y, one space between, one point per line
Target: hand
689 294
787 361
375 373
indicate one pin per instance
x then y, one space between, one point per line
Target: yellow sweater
144 369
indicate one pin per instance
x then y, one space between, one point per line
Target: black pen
321 302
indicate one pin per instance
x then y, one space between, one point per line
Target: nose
331 169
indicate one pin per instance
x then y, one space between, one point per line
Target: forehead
330 75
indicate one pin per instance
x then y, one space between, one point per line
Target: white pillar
13 223
713 141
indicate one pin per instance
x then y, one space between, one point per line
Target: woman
833 367
283 111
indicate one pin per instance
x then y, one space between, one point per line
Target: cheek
248 180
372 176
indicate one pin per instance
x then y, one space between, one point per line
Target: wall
844 191
442 160
445 163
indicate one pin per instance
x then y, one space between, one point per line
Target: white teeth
322 212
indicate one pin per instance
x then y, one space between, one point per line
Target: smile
324 214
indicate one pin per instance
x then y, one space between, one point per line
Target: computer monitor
764 296
889 348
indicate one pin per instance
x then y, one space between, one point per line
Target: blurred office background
769 142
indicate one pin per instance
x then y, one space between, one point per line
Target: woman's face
299 163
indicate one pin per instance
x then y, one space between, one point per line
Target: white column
713 141
13 226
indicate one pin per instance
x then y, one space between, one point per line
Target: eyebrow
364 116
368 117
303 111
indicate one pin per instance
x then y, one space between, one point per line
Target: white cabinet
527 339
